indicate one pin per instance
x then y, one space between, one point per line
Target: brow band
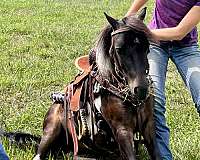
121 30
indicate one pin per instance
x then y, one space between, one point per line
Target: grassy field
39 41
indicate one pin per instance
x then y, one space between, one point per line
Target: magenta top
168 13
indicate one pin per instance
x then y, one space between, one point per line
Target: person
174 25
3 155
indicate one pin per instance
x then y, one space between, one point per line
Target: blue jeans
187 61
3 155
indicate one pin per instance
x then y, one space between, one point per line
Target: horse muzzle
141 92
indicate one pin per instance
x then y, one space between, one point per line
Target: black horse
126 99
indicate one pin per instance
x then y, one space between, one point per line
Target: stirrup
83 130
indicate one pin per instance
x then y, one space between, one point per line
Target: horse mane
103 43
102 48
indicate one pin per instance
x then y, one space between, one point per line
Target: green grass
39 41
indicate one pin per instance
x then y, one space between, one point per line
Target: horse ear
142 14
113 22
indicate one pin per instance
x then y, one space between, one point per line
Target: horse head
129 48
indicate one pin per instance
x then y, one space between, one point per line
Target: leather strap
122 94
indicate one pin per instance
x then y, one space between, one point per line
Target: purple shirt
168 13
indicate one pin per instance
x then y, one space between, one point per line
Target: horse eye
118 49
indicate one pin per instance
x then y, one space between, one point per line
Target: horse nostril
136 90
141 92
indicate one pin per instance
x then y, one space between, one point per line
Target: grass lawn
39 41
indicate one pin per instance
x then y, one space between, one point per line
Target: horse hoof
37 157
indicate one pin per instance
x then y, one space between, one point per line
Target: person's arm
136 5
191 19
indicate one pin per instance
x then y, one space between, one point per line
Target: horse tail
22 140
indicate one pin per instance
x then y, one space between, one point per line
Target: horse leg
149 140
148 129
120 119
51 130
124 137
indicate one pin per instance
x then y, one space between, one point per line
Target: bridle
127 28
118 84
121 30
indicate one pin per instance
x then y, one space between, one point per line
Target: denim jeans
187 61
3 155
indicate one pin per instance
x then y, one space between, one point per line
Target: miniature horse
126 93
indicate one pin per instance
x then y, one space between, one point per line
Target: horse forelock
102 51
138 25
